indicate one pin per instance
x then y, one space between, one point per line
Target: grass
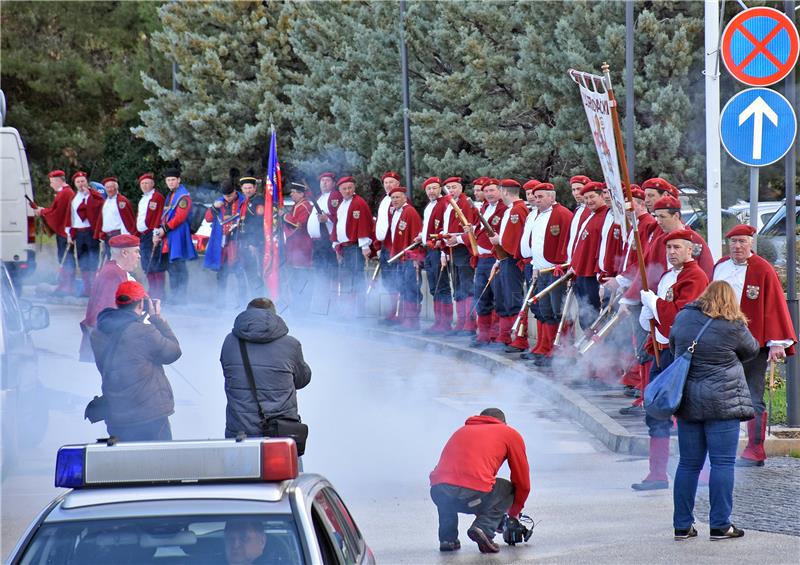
778 414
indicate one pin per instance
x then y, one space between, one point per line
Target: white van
17 225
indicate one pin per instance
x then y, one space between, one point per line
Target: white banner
598 111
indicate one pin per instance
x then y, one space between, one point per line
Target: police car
190 502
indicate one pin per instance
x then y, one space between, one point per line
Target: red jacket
409 226
154 210
512 233
57 216
587 248
474 454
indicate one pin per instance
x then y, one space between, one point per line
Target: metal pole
629 117
713 166
793 362
406 123
754 200
174 76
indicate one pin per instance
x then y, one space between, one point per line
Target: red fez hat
110 179
686 234
129 292
661 185
543 186
57 173
345 180
398 189
146 176
531 184
592 186
579 179
480 181
77 174
448 180
667 203
510 183
741 229
124 240
390 175
326 174
431 180
637 192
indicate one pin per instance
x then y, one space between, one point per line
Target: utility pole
713 163
406 123
630 153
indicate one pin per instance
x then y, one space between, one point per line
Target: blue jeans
718 438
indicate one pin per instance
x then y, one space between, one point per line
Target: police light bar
169 462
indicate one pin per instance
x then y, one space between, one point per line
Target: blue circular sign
757 127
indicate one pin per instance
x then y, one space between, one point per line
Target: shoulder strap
111 349
699 335
248 369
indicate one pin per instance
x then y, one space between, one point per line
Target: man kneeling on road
464 481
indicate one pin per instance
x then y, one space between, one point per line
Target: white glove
649 299
644 317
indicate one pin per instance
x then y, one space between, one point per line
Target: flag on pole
273 201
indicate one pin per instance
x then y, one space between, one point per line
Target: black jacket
134 382
278 369
715 387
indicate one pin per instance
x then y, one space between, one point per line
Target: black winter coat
134 383
715 387
278 369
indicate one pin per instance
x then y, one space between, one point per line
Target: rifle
550 288
527 300
600 319
564 313
323 226
498 249
374 277
604 331
464 223
33 204
492 275
403 252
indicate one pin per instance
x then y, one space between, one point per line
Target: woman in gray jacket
715 400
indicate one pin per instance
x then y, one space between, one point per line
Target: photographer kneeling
263 367
464 481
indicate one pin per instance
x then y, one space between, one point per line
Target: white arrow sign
758 109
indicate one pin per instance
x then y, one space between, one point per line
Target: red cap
661 185
667 203
448 180
390 175
592 186
579 179
344 180
510 183
326 174
637 192
491 180
110 179
129 292
124 240
146 176
686 234
741 229
431 180
531 184
543 186
57 173
77 174
480 181
398 189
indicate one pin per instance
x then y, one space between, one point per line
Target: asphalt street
379 414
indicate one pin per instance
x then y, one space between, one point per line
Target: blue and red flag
273 201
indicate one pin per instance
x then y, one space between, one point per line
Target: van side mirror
36 318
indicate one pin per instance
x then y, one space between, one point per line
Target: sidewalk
765 498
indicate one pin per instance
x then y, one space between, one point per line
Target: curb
572 404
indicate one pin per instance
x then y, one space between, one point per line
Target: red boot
446 313
409 315
484 325
754 454
659 456
437 319
88 281
537 348
469 317
504 335
519 339
493 335
549 335
66 283
461 316
155 285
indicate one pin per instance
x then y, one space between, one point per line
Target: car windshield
777 224
176 540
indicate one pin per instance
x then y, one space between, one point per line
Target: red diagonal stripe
759 46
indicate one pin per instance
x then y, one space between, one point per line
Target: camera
517 531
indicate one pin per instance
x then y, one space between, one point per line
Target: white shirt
487 214
341 225
141 213
426 218
396 217
533 238
313 222
607 223
504 222
574 229
111 218
647 314
382 222
76 221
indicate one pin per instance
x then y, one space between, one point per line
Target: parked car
765 212
774 232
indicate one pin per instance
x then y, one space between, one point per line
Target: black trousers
250 258
87 249
508 293
178 281
323 257
484 300
407 281
488 507
587 291
152 261
351 270
67 263
438 278
548 309
463 273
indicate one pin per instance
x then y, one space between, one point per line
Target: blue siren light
70 467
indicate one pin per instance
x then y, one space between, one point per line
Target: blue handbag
663 395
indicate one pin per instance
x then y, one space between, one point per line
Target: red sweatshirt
474 454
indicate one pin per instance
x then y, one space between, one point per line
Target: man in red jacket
57 219
465 479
